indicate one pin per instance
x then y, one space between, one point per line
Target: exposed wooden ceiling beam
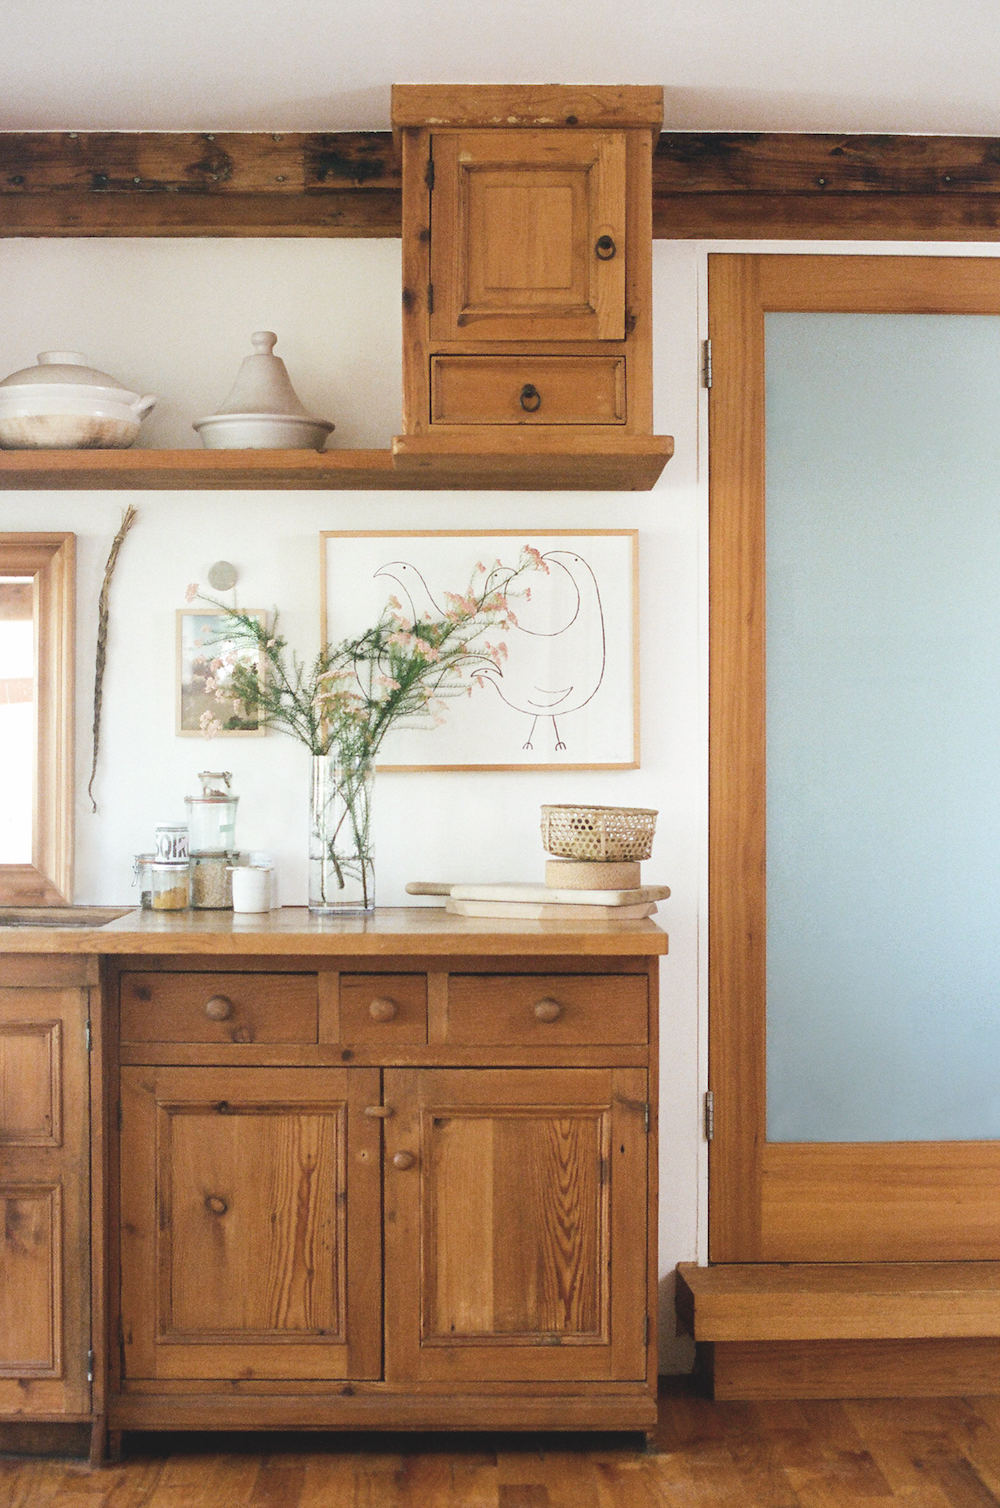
705 185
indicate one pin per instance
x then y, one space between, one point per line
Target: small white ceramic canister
251 889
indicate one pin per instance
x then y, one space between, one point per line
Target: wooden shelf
618 466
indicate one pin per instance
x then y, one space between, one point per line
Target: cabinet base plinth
383 1411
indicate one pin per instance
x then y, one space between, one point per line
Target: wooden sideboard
385 1174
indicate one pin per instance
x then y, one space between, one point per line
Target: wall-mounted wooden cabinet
527 272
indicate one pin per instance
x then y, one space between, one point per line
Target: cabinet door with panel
237 1261
515 1236
528 235
44 1202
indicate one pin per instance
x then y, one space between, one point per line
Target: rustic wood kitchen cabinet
391 1174
45 1271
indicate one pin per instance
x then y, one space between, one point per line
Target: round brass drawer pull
547 1010
531 398
605 248
383 1009
219 1008
403 1160
216 1205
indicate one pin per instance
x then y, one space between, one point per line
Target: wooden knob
379 1112
547 1010
403 1160
216 1205
383 1009
219 1008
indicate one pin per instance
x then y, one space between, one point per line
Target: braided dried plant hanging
128 519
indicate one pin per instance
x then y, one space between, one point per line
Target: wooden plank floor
924 1453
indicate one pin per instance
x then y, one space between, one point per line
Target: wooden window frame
50 559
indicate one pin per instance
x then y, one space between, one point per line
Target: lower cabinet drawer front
528 389
389 1008
549 1009
165 1007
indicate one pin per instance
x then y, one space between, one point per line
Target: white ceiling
309 65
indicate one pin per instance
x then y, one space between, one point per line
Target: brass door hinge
706 363
709 1115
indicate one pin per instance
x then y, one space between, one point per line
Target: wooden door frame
772 1203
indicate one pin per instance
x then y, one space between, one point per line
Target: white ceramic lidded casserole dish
64 404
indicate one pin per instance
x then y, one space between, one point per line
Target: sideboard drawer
528 389
389 1008
590 1009
181 1007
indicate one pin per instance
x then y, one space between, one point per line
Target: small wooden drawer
390 1008
591 1009
528 389
162 1007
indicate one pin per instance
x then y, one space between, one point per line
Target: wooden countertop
294 930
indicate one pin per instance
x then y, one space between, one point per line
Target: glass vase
341 856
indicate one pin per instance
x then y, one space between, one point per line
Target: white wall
173 317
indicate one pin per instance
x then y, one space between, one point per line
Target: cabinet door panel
515 221
235 1256
526 1202
31 1281
44 1202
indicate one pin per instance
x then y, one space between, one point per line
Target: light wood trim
293 933
527 105
737 978
840 1301
344 1408
880 1202
580 462
781 1202
51 560
639 282
416 232
758 1370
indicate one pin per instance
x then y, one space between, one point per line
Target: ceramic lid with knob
65 367
263 409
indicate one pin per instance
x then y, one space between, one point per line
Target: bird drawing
556 650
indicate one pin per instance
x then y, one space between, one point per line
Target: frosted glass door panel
883 727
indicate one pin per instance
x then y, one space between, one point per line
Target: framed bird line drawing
561 689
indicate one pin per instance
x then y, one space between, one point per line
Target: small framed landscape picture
205 657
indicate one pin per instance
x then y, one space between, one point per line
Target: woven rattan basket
598 832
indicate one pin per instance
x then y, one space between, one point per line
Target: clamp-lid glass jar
212 815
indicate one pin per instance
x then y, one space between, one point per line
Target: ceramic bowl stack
263 411
64 404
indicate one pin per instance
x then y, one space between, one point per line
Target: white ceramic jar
64 404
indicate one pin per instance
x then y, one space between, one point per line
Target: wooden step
839 1301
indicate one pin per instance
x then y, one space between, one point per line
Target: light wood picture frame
202 708
566 696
